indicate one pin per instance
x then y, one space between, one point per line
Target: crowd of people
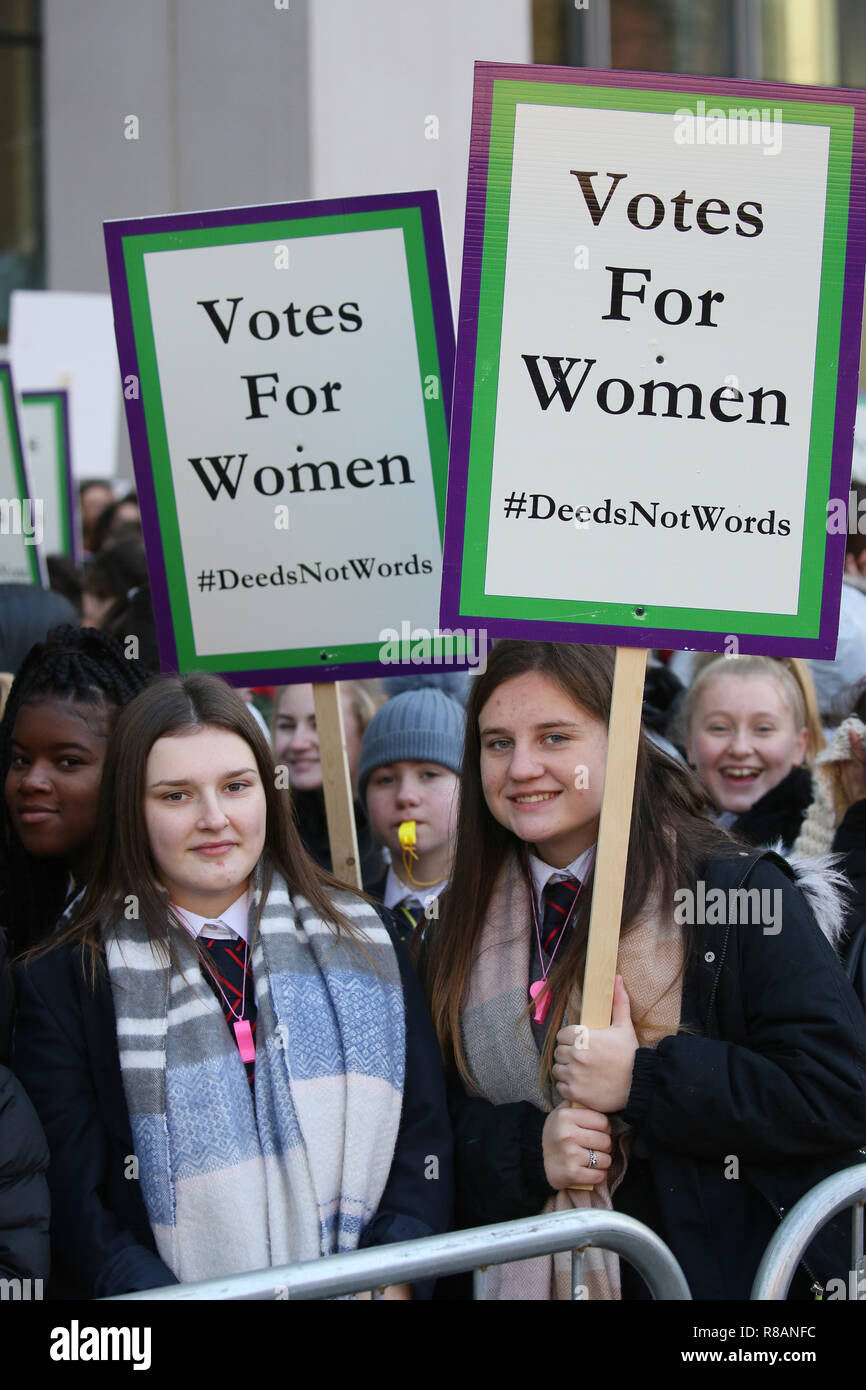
217 1057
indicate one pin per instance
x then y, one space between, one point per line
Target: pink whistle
244 1036
541 994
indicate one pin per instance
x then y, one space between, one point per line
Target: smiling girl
53 737
225 1015
747 737
295 739
723 1040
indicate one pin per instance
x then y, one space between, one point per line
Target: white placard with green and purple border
657 358
287 373
21 512
45 435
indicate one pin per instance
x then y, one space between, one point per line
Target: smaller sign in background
45 435
20 523
66 340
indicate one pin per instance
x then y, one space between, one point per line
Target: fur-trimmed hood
824 887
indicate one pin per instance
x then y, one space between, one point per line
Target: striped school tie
558 899
409 913
227 959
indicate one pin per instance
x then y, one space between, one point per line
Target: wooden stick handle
337 783
602 945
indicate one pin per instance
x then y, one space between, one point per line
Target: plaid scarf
504 1060
233 1181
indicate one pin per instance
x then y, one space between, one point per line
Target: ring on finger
593 1159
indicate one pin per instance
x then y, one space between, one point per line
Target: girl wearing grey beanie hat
408 780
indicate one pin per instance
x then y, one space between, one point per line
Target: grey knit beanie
418 726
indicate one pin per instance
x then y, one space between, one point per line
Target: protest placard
21 512
287 375
45 435
656 383
657 360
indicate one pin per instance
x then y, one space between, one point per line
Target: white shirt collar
396 890
542 873
231 922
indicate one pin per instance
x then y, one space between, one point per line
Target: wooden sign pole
613 836
611 853
337 783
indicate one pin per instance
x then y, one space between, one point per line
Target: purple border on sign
824 645
427 201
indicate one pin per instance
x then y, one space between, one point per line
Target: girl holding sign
224 1024
731 1079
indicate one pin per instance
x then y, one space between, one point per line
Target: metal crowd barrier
802 1224
433 1256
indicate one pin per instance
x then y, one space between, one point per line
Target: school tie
408 913
235 995
558 899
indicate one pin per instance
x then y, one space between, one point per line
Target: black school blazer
66 1056
772 1073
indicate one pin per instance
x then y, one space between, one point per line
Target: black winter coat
779 814
25 1206
310 818
850 841
772 1073
66 1055
24 1202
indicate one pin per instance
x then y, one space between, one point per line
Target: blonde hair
6 679
791 675
365 697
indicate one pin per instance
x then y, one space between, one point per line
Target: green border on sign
507 95
55 400
10 418
409 221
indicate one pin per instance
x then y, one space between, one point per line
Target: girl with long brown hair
733 1042
231 1061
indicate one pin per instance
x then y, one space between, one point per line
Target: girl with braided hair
53 734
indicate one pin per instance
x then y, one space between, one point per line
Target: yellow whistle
406 833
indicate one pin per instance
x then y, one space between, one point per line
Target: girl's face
205 814
296 740
743 740
423 792
52 786
542 766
